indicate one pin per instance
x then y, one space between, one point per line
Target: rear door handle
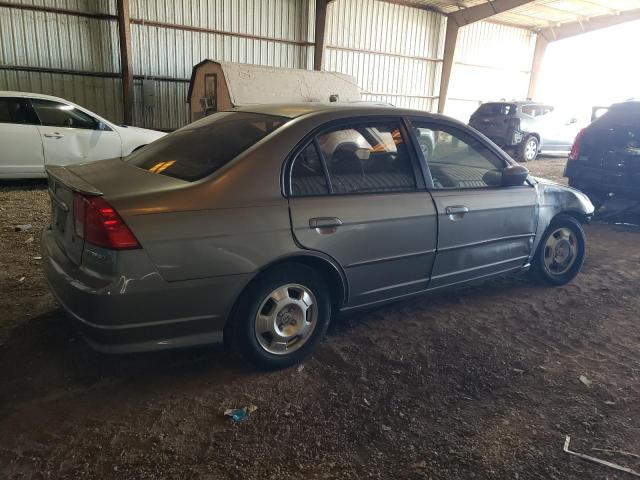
53 135
325 222
456 212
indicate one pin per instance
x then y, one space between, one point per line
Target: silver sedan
255 226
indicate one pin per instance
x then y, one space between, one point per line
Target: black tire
523 152
241 328
538 268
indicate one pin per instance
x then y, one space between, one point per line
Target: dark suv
605 158
525 129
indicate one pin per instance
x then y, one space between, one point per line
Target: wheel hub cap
289 320
286 319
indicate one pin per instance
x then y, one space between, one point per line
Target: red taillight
99 224
575 149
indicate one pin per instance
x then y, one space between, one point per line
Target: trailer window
201 148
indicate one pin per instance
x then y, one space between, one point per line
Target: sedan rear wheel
281 318
286 319
561 251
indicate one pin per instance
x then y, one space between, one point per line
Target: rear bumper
585 177
135 310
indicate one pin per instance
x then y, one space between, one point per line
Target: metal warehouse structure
130 60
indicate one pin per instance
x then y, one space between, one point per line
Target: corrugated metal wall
63 42
168 38
395 52
492 61
264 32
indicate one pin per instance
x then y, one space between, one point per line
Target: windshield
494 109
201 148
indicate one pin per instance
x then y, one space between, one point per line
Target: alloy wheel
560 251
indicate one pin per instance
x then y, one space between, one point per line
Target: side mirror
572 120
102 126
514 175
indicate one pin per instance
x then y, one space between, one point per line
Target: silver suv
255 225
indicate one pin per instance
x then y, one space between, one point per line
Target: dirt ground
481 383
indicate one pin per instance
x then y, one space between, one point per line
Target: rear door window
308 176
201 148
367 158
363 157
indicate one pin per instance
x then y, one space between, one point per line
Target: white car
38 130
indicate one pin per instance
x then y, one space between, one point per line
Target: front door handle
325 222
456 212
53 135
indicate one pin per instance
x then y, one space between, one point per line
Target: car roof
294 110
8 93
515 102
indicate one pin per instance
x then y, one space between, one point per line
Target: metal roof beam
558 11
525 20
595 4
485 10
572 29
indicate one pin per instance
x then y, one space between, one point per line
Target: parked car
255 225
525 129
38 130
605 158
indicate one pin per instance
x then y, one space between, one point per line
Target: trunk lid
115 180
62 184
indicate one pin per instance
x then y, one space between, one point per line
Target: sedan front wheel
561 251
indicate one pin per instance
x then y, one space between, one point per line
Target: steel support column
461 18
321 20
538 57
126 60
450 40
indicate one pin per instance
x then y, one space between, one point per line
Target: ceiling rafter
601 6
485 10
572 29
535 14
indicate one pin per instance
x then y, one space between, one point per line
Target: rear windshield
199 149
627 113
495 109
